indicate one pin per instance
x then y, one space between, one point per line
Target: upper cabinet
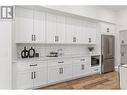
73 30
55 28
29 26
24 25
39 27
33 26
107 28
89 32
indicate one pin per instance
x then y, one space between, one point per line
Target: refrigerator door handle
102 59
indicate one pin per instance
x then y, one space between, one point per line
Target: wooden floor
103 81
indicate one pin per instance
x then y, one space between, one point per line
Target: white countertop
50 58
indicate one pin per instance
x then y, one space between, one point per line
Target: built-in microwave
95 61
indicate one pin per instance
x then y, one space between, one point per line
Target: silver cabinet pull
82 59
60 70
95 69
56 38
82 67
122 41
61 62
34 75
74 39
107 29
33 65
90 40
32 37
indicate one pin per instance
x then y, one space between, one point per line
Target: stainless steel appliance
107 51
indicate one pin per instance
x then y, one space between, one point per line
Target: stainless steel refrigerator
107 51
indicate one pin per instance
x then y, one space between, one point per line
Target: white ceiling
115 7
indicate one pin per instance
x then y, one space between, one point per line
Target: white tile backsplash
45 49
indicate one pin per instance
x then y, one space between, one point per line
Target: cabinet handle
122 41
31 75
82 66
61 62
82 59
89 40
34 75
107 29
60 70
56 38
33 65
32 37
74 39
95 69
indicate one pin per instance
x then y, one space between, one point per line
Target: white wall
93 12
121 24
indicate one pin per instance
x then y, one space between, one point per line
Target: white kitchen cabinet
81 66
55 28
95 69
79 69
33 75
29 26
107 28
24 25
39 27
40 75
59 73
23 80
74 30
123 77
123 37
89 32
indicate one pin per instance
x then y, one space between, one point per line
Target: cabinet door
59 73
123 38
78 28
61 28
79 69
123 78
90 33
23 80
40 76
107 28
51 36
70 34
39 27
54 73
24 25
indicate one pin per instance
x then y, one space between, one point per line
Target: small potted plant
90 50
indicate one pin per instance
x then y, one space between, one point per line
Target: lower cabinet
40 77
33 77
37 74
59 72
79 69
23 80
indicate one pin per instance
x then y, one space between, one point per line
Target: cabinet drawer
21 66
95 69
81 59
38 64
59 62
